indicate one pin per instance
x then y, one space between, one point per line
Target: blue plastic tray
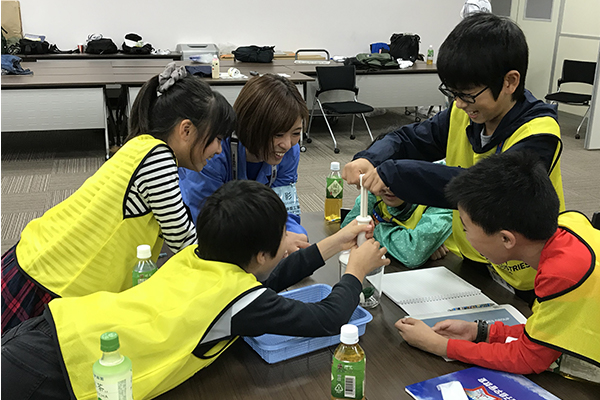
275 348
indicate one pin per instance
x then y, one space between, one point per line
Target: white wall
581 18
592 139
344 27
540 39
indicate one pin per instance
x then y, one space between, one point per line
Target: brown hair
267 105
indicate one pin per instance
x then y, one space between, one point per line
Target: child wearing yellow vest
88 242
182 318
510 210
482 65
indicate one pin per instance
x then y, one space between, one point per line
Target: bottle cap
109 341
335 166
349 334
144 251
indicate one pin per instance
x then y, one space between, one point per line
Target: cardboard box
11 20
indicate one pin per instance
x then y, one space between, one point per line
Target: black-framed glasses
467 98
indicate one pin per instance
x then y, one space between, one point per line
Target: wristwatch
482 331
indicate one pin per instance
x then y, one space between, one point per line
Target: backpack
101 46
255 54
405 46
34 46
372 61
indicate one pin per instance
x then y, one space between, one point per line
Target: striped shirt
154 188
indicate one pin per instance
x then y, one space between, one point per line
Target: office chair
341 78
575 72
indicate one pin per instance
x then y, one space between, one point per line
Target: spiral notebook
431 290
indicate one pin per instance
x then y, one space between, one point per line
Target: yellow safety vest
569 321
85 244
412 222
160 323
460 154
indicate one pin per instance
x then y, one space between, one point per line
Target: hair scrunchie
169 76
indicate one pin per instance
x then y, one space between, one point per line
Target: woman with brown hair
270 115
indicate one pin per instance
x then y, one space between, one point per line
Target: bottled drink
145 267
216 70
334 194
348 366
430 55
112 372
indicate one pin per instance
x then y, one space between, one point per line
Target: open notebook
431 290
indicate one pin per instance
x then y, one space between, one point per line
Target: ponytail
139 121
169 98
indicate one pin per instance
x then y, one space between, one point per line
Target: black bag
34 46
144 49
101 46
372 61
405 46
254 54
4 43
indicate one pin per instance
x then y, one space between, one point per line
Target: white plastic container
371 293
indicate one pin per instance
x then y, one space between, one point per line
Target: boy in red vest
510 210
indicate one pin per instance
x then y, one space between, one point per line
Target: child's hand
366 258
346 237
373 182
352 170
418 334
296 241
456 329
439 253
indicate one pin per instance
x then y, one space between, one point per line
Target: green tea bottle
334 194
348 366
112 372
145 267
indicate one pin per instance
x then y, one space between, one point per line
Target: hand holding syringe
364 218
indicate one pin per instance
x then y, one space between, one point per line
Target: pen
473 306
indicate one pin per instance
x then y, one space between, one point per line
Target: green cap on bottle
109 341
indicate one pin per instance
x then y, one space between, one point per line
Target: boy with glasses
482 65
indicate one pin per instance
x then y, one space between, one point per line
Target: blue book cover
482 384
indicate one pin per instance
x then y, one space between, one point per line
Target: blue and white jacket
197 186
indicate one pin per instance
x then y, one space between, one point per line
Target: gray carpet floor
40 169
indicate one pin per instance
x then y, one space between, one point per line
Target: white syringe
364 218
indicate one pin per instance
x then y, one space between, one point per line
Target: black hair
239 220
481 50
509 191
188 98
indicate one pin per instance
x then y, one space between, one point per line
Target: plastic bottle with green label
112 372
430 55
348 366
334 194
145 267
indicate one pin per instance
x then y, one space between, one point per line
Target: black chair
575 72
341 78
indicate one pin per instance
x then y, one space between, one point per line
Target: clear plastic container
371 293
